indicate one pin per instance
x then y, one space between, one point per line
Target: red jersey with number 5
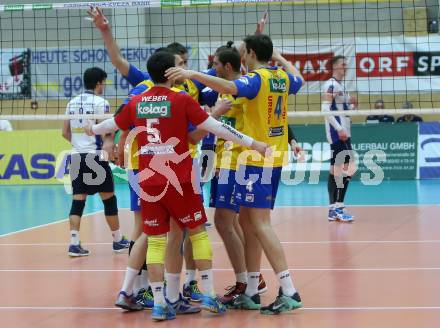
161 117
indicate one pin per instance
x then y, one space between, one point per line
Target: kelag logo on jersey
388 64
154 109
278 85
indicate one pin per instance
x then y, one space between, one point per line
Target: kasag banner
38 157
384 151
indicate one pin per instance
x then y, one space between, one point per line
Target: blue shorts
257 186
133 184
197 178
223 191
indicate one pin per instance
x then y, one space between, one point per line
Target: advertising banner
429 150
384 151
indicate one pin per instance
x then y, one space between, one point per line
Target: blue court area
24 207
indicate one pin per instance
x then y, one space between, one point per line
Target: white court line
46 224
221 269
278 206
429 241
363 308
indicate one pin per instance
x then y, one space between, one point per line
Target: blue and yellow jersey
191 89
227 152
135 76
265 92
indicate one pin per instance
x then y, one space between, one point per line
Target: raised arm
287 65
102 24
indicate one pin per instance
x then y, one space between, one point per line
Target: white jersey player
338 129
85 103
90 174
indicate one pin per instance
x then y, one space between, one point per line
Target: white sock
207 281
159 297
144 279
117 236
137 284
74 237
190 275
130 276
173 286
241 277
339 205
253 280
286 283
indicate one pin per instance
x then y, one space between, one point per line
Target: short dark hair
158 63
160 49
335 59
261 44
93 76
230 56
177 48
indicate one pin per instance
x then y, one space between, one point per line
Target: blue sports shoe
145 298
183 306
120 246
78 251
127 302
212 304
163 312
192 292
339 214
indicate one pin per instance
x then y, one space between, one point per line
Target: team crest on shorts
250 198
197 216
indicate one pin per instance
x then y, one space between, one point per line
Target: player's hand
276 56
262 23
122 150
88 130
343 135
109 148
261 147
98 18
298 152
354 102
177 73
221 107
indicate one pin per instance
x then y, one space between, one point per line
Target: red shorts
186 210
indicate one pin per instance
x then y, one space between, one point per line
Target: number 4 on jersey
278 107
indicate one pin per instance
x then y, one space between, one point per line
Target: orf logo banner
429 150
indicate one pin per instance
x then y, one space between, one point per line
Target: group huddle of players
244 121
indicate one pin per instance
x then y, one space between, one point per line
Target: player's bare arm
327 99
66 131
218 84
287 65
102 24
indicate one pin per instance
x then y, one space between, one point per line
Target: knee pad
201 245
110 206
156 250
77 207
